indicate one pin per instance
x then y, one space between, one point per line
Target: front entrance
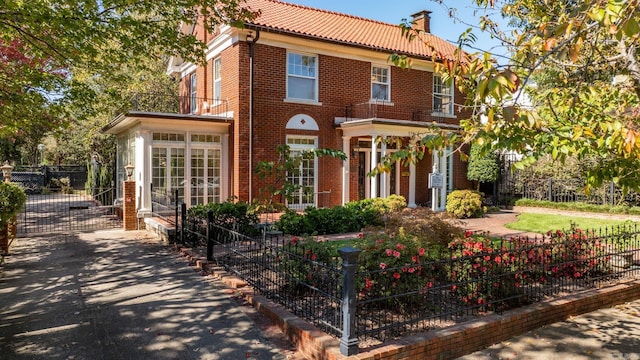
364 181
56 212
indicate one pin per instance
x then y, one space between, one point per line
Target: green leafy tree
482 167
582 57
44 44
277 174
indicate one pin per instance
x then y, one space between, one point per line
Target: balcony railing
387 110
176 104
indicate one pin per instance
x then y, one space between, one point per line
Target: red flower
399 246
313 256
421 252
396 253
389 252
396 276
360 235
294 240
383 265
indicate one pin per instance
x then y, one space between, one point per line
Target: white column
142 174
445 181
374 163
224 182
398 171
412 186
384 176
346 148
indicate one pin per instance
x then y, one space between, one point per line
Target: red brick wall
341 82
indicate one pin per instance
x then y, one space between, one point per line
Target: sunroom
176 158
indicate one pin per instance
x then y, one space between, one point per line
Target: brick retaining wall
448 343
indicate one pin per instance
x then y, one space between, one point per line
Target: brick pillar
130 218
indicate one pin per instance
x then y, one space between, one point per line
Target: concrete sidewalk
120 295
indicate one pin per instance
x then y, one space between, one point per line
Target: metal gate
55 212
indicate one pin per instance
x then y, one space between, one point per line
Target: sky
441 24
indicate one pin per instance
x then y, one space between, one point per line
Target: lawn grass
541 223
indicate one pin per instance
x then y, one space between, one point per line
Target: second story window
442 96
193 105
302 80
217 81
380 83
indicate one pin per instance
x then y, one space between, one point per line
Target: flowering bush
482 275
308 262
394 266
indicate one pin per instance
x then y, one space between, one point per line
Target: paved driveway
118 295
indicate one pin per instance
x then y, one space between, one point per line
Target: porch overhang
131 119
389 127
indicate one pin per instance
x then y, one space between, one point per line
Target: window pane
301 88
379 91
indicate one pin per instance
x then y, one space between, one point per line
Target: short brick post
349 339
130 218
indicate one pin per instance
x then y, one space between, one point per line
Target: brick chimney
421 21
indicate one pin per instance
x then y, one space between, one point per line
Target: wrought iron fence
474 275
516 184
276 267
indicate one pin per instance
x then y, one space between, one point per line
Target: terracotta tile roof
343 28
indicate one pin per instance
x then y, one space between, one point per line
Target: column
346 148
142 174
225 183
374 163
412 186
384 176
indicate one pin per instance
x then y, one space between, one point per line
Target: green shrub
340 219
12 199
235 216
464 204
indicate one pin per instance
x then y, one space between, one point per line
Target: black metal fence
516 184
34 178
55 211
474 275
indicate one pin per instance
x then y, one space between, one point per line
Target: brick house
307 78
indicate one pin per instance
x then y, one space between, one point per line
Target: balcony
175 104
391 111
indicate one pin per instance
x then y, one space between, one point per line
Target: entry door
205 176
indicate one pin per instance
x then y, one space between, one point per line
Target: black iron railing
176 104
475 275
387 110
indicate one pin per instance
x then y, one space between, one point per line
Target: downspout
252 44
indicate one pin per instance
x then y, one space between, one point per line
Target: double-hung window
442 96
380 83
217 81
193 105
302 76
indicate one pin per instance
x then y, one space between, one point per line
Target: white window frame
448 112
314 78
217 81
300 148
193 93
387 83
